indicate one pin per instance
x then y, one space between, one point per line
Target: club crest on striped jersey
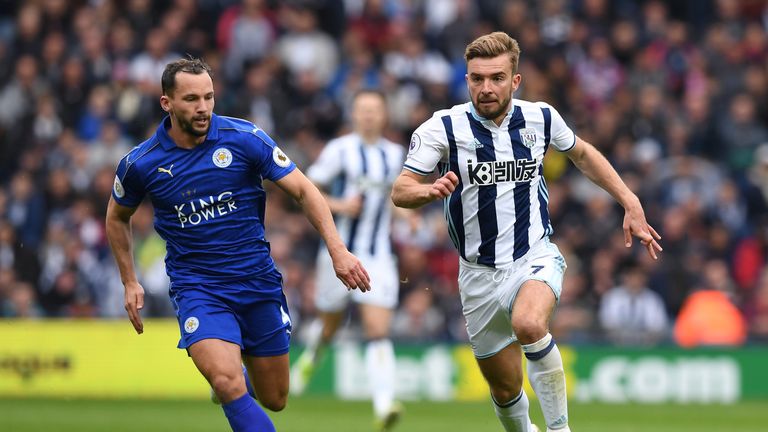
528 137
222 157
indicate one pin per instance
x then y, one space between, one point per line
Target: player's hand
134 302
350 271
351 206
444 186
636 225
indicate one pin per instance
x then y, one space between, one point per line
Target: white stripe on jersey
499 209
347 167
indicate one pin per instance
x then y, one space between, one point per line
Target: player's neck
499 119
370 138
183 139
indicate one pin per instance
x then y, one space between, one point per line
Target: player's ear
165 103
516 80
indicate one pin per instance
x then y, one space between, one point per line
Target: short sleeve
128 189
271 162
563 138
328 165
428 147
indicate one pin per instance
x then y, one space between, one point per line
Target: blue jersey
209 201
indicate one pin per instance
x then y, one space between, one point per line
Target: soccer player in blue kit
491 153
203 174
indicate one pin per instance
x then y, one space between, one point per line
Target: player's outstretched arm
348 268
118 224
597 168
410 191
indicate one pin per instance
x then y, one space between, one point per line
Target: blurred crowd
674 93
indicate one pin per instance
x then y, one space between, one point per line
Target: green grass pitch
326 415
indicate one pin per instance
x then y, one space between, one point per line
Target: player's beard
189 127
485 113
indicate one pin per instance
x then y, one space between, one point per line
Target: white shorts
332 296
487 295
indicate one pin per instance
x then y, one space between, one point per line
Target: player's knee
505 392
374 334
227 387
528 330
275 402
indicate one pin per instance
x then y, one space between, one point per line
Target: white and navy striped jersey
348 167
499 208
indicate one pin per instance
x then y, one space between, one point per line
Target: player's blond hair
493 45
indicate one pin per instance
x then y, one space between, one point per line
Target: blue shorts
252 314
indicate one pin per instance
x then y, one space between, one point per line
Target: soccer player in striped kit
490 153
358 170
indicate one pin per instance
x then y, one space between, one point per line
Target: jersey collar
167 142
482 119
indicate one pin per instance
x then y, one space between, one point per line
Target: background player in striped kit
490 153
357 170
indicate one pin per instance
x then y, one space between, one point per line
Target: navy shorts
252 314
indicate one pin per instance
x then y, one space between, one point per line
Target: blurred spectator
246 32
741 132
21 302
306 52
632 314
17 258
418 320
708 316
26 210
756 310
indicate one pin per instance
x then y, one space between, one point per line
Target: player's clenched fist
444 186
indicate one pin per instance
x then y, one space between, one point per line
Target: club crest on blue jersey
528 136
222 157
191 324
118 188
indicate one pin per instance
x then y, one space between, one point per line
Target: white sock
314 346
545 372
513 415
380 362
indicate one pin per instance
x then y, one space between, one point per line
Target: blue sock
245 415
248 384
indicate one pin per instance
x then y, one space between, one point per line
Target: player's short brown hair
188 65
493 45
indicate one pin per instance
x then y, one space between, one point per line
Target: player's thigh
331 322
503 371
376 320
487 315
270 378
540 281
533 306
215 358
